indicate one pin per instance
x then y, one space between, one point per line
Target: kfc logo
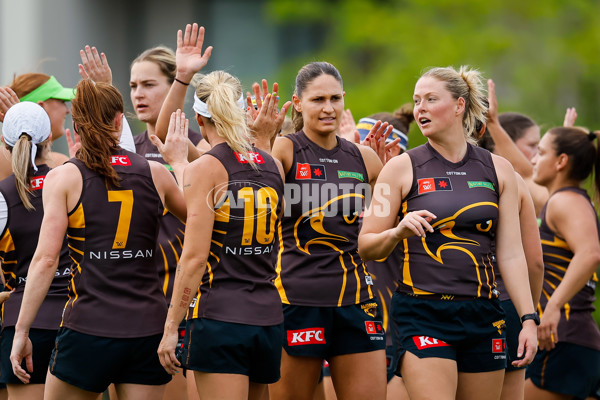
256 158
120 160
37 183
426 342
306 336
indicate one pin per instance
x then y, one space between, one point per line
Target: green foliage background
544 55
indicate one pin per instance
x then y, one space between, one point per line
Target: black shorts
471 332
92 363
326 332
513 329
230 348
43 343
568 368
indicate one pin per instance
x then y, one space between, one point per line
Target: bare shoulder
283 150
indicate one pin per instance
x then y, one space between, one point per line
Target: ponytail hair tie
591 135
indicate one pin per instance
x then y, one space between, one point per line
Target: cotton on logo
37 183
254 157
426 342
306 336
119 160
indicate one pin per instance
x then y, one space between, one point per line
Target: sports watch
534 316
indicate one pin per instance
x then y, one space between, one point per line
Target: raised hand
189 56
8 98
376 139
94 66
266 120
492 114
73 142
570 116
348 127
175 148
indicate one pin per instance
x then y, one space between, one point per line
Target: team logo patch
434 184
498 346
349 174
254 157
370 309
374 327
480 184
306 336
426 342
37 183
120 160
310 171
500 325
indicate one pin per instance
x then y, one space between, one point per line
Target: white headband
201 108
26 118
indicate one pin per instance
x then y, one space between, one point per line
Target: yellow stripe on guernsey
7 243
166 268
557 242
278 283
406 277
77 218
445 226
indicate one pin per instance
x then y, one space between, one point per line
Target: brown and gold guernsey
238 283
576 322
115 291
17 246
170 235
318 262
456 259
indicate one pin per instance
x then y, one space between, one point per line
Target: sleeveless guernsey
170 235
576 323
115 291
318 262
456 259
17 246
238 283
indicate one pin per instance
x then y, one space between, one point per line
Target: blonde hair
221 92
22 168
468 84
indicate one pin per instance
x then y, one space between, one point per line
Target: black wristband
182 82
533 316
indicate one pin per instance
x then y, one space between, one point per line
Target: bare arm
530 236
572 218
43 265
511 258
200 179
504 145
175 148
190 59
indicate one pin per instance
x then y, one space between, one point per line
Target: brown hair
306 75
26 83
578 145
515 124
94 109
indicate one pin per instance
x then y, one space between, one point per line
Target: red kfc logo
303 171
37 183
426 342
254 157
120 160
306 336
497 345
426 185
374 327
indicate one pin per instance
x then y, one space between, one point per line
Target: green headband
51 89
